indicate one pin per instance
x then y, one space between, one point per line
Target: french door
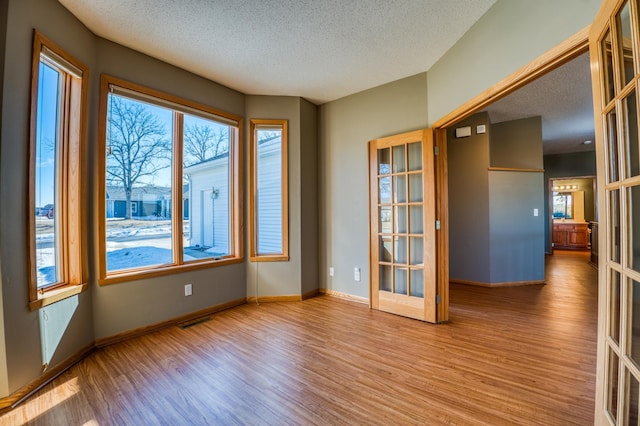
613 45
403 225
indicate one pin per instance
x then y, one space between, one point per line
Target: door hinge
437 299
437 225
436 150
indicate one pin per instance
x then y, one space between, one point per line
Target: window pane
614 225
398 159
400 250
612 147
401 280
384 161
400 189
400 219
614 323
385 220
416 251
607 63
384 185
385 248
415 188
139 156
206 189
632 415
415 156
416 222
612 382
631 136
386 283
417 283
562 205
46 187
624 25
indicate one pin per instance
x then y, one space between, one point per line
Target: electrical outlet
535 212
356 274
188 289
331 271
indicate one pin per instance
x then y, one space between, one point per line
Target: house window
170 180
269 232
57 133
562 205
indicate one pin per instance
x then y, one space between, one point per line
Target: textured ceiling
317 49
563 99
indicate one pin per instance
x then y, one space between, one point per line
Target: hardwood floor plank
509 356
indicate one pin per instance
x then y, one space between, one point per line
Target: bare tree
136 145
203 142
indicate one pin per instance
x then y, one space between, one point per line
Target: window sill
270 258
54 296
140 274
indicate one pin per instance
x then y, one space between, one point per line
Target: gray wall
346 126
309 196
516 235
468 160
578 164
517 144
493 235
22 328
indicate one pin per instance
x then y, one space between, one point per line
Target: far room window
269 193
58 114
171 183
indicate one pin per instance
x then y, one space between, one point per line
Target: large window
58 116
269 196
171 183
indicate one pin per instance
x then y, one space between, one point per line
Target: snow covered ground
130 244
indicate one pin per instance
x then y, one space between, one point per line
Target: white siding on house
269 197
209 205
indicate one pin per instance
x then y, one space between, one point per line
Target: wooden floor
510 356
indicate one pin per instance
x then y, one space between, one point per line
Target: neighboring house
146 201
207 202
269 209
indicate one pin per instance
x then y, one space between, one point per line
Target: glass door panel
613 41
631 135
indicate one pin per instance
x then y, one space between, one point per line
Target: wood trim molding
559 55
345 296
310 294
274 299
496 285
106 341
11 401
514 169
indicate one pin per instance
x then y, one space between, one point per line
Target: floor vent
193 322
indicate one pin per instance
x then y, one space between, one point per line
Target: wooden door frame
564 52
550 201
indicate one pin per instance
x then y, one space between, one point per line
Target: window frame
71 160
179 106
255 125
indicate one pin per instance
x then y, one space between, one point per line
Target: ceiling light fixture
587 142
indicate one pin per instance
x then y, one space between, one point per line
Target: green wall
510 35
298 275
346 126
468 160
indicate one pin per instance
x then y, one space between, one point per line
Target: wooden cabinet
568 235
